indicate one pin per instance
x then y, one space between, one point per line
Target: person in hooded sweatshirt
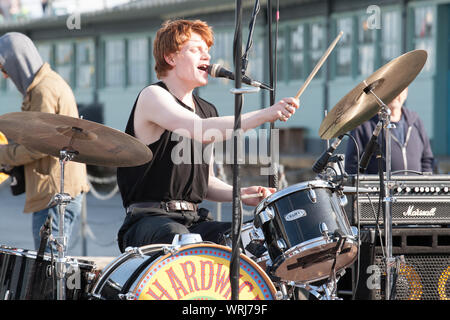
43 90
410 145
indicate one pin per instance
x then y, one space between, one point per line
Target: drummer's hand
284 109
254 190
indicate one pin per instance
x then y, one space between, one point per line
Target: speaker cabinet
424 274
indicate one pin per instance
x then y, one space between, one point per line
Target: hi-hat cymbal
387 83
94 143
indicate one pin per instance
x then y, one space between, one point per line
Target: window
366 47
281 57
317 49
115 63
45 51
85 64
138 61
344 47
64 61
424 29
390 36
296 54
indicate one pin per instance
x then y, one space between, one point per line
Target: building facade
106 56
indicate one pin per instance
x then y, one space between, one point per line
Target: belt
172 205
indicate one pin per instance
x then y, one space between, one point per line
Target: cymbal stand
390 261
61 200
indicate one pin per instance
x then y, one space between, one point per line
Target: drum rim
117 262
291 252
291 189
270 285
313 243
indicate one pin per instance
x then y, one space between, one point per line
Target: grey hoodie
20 59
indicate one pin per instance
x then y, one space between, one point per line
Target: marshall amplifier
418 200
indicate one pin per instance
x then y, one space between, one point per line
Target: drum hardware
324 230
264 216
134 251
312 195
126 296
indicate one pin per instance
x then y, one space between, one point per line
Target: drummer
162 197
410 146
42 90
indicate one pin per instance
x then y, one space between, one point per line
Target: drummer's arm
158 106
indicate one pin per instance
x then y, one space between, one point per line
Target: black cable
251 27
236 223
357 213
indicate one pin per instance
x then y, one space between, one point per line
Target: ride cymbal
387 83
94 143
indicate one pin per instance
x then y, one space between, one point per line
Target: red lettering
190 276
160 288
221 279
176 283
246 284
203 274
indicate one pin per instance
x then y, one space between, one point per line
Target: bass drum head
201 272
192 272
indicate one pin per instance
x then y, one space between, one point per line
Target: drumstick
253 195
318 65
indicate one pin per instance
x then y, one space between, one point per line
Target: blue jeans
71 215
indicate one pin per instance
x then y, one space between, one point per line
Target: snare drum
17 282
191 272
307 232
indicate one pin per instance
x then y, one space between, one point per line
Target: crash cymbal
95 144
387 83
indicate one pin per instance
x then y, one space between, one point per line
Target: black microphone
217 71
370 148
321 163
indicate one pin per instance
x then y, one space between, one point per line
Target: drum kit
300 237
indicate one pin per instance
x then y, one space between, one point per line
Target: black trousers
150 226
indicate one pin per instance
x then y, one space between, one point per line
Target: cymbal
387 83
95 143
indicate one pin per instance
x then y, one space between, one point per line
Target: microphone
321 163
217 71
370 148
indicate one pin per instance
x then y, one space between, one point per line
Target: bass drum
24 277
192 272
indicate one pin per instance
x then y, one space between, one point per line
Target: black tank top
161 179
